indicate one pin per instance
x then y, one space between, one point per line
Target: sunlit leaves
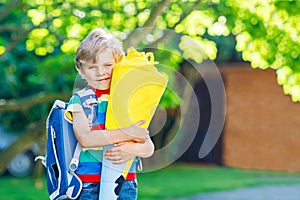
283 74
198 48
143 16
197 23
34 3
267 34
37 16
130 8
70 45
2 49
39 33
41 42
57 23
219 28
290 81
75 31
173 15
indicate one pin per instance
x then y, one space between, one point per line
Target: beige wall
262 128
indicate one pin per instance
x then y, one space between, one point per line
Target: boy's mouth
103 79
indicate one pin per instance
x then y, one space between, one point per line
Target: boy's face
98 75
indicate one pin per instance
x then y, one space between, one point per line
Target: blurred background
254 44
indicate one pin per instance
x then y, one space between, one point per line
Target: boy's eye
108 65
92 67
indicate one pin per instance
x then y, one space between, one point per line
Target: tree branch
15 42
135 37
23 104
183 16
5 11
10 28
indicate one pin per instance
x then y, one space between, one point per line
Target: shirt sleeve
74 105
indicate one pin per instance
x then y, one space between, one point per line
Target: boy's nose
100 70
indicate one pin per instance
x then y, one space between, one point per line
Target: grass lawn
174 181
185 180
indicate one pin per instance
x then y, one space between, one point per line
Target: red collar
99 93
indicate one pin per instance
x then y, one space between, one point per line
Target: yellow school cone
135 92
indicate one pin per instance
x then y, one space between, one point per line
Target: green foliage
267 34
38 39
198 49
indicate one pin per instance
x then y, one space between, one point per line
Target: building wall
262 128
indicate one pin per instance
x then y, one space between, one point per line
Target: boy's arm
96 138
143 150
124 151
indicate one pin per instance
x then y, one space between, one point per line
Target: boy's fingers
140 122
118 162
112 152
119 144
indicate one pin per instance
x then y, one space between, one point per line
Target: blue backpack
61 155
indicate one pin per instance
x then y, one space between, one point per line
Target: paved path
276 192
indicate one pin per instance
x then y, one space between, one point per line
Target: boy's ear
80 71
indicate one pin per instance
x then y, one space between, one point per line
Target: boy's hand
120 153
136 132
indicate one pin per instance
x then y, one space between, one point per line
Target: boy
95 58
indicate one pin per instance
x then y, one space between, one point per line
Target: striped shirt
94 104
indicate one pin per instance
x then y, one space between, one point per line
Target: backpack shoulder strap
89 103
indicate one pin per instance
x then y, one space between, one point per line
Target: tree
48 32
267 34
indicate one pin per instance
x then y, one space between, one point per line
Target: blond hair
94 44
